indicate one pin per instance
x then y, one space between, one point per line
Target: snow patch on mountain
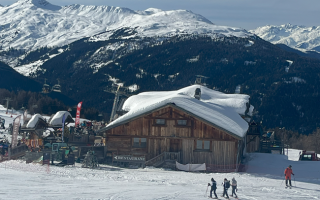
299 37
296 80
194 59
31 68
249 44
288 67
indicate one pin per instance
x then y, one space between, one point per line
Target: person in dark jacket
287 173
226 185
234 187
213 188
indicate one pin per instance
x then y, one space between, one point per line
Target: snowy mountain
31 24
299 37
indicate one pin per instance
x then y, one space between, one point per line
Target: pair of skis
224 197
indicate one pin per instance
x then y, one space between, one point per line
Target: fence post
9 153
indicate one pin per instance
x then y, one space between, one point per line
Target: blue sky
247 14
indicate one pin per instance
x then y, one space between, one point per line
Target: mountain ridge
32 24
302 38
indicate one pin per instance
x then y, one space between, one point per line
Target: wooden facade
171 129
253 137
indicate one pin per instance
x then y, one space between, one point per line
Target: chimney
197 94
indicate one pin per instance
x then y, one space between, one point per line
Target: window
182 122
307 157
203 145
160 121
140 142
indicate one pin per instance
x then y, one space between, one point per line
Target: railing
164 157
172 156
152 161
17 151
78 138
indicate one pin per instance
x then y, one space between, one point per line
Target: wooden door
175 145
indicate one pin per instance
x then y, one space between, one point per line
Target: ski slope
33 181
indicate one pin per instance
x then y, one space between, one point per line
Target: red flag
78 114
16 126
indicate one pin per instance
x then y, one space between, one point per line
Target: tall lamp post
282 132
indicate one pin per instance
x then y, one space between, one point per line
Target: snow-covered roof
219 109
33 121
57 118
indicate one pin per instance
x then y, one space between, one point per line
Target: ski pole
294 181
281 183
206 191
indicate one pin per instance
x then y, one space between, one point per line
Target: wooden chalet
170 131
35 131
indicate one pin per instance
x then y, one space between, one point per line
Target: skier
213 188
234 187
287 173
226 185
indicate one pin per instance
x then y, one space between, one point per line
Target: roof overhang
173 106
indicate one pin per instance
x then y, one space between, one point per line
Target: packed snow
34 181
31 24
218 108
57 118
299 37
33 121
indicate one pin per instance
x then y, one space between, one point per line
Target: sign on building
129 158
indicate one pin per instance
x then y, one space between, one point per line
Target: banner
78 114
191 167
15 132
63 120
25 116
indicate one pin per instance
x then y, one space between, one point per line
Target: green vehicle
57 146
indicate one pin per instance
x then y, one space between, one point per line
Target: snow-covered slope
30 24
152 183
298 37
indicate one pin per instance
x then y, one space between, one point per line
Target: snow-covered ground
33 181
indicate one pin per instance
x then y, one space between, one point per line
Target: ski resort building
193 125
